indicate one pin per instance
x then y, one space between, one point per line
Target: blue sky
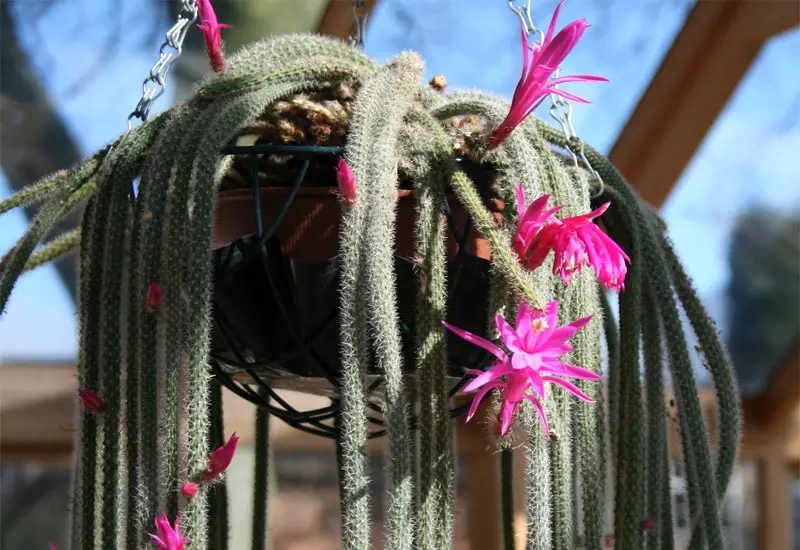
748 158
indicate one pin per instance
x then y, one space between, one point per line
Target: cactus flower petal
478 341
169 537
576 242
92 402
347 183
535 84
220 459
537 405
473 408
535 343
211 28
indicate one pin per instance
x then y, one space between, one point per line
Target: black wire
306 421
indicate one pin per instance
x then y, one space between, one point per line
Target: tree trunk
34 140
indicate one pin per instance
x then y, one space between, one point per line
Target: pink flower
347 183
531 220
514 392
535 83
577 242
153 298
92 402
168 538
52 546
211 34
220 459
189 489
535 345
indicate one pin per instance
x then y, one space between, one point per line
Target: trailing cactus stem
386 98
538 505
190 316
505 260
656 417
146 328
54 250
83 495
427 162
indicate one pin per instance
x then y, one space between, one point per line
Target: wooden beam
338 18
781 397
707 60
775 517
37 409
481 457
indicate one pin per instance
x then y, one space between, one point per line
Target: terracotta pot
309 231
278 305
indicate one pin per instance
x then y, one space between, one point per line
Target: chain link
560 109
358 30
156 82
522 8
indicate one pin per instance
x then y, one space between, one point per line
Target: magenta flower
535 345
169 538
531 220
347 183
535 82
220 459
576 242
92 402
514 391
211 34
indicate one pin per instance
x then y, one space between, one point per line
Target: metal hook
358 30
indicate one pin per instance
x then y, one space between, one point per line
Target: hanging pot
276 297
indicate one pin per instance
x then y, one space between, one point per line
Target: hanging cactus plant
151 300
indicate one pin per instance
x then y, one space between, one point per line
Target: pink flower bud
189 489
52 546
153 298
211 34
92 402
169 537
220 459
347 183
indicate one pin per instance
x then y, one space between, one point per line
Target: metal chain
560 109
522 9
156 82
358 30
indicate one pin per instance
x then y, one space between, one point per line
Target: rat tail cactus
146 442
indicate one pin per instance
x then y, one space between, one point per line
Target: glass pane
747 161
476 44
